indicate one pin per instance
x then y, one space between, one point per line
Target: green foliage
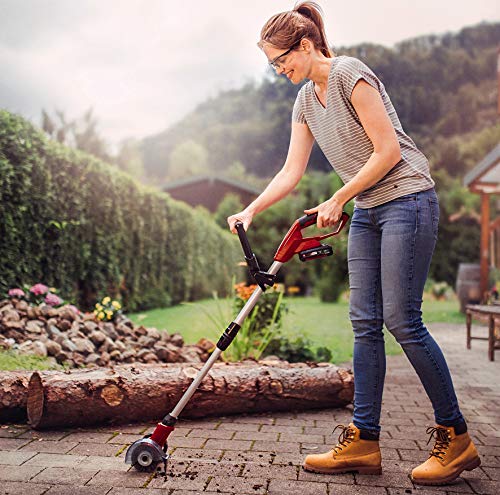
11 360
298 350
186 159
73 222
443 88
258 328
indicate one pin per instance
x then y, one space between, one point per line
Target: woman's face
291 63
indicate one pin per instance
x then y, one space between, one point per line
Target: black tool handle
244 240
312 218
308 219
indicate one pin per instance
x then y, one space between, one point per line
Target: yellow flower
109 313
95 312
101 315
116 305
53 289
106 300
98 307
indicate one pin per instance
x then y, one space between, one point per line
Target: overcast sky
143 64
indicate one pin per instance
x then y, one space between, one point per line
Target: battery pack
317 252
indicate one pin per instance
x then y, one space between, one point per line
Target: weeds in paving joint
208 481
122 449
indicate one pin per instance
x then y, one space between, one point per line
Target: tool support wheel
144 460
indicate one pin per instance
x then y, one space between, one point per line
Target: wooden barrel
468 284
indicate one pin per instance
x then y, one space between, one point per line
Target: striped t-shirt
340 135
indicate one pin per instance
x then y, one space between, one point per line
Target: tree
78 133
187 158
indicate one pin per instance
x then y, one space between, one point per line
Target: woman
393 231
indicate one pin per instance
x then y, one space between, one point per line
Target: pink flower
53 300
16 293
39 289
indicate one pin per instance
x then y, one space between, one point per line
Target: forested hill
442 86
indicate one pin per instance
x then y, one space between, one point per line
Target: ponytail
288 28
313 11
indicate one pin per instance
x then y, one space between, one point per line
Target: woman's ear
306 45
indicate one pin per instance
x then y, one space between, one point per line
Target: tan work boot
352 453
451 455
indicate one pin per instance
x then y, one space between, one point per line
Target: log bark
13 394
148 392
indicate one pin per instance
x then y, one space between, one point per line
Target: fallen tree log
148 392
13 394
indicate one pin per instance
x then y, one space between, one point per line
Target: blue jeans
389 252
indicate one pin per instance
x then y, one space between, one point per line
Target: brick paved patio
261 454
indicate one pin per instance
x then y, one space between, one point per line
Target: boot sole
444 481
359 470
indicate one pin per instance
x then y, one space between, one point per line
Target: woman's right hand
243 216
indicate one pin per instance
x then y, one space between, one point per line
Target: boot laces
345 438
442 441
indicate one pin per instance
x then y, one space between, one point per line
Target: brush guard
147 453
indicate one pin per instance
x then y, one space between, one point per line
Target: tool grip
243 239
307 220
312 218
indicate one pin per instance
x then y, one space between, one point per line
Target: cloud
143 65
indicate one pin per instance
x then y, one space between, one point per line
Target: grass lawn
10 361
325 324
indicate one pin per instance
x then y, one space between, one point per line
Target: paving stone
270 471
298 430
11 431
484 487
90 436
53 435
205 469
419 491
64 476
181 481
91 449
280 487
119 478
183 453
233 484
79 490
12 443
19 473
493 473
123 438
276 446
218 444
53 460
257 420
387 478
14 458
335 489
289 459
217 434
248 456
244 427
20 488
309 439
186 442
49 446
343 478
100 462
256 435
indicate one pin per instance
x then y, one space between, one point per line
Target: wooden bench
490 315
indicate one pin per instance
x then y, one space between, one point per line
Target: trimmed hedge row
73 222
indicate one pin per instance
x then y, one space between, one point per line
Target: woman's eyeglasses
277 65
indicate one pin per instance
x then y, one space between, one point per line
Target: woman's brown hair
286 29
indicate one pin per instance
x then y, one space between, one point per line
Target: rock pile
76 339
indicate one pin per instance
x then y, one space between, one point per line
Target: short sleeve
350 71
298 112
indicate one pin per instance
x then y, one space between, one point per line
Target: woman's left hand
329 212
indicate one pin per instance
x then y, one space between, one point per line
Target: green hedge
73 222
